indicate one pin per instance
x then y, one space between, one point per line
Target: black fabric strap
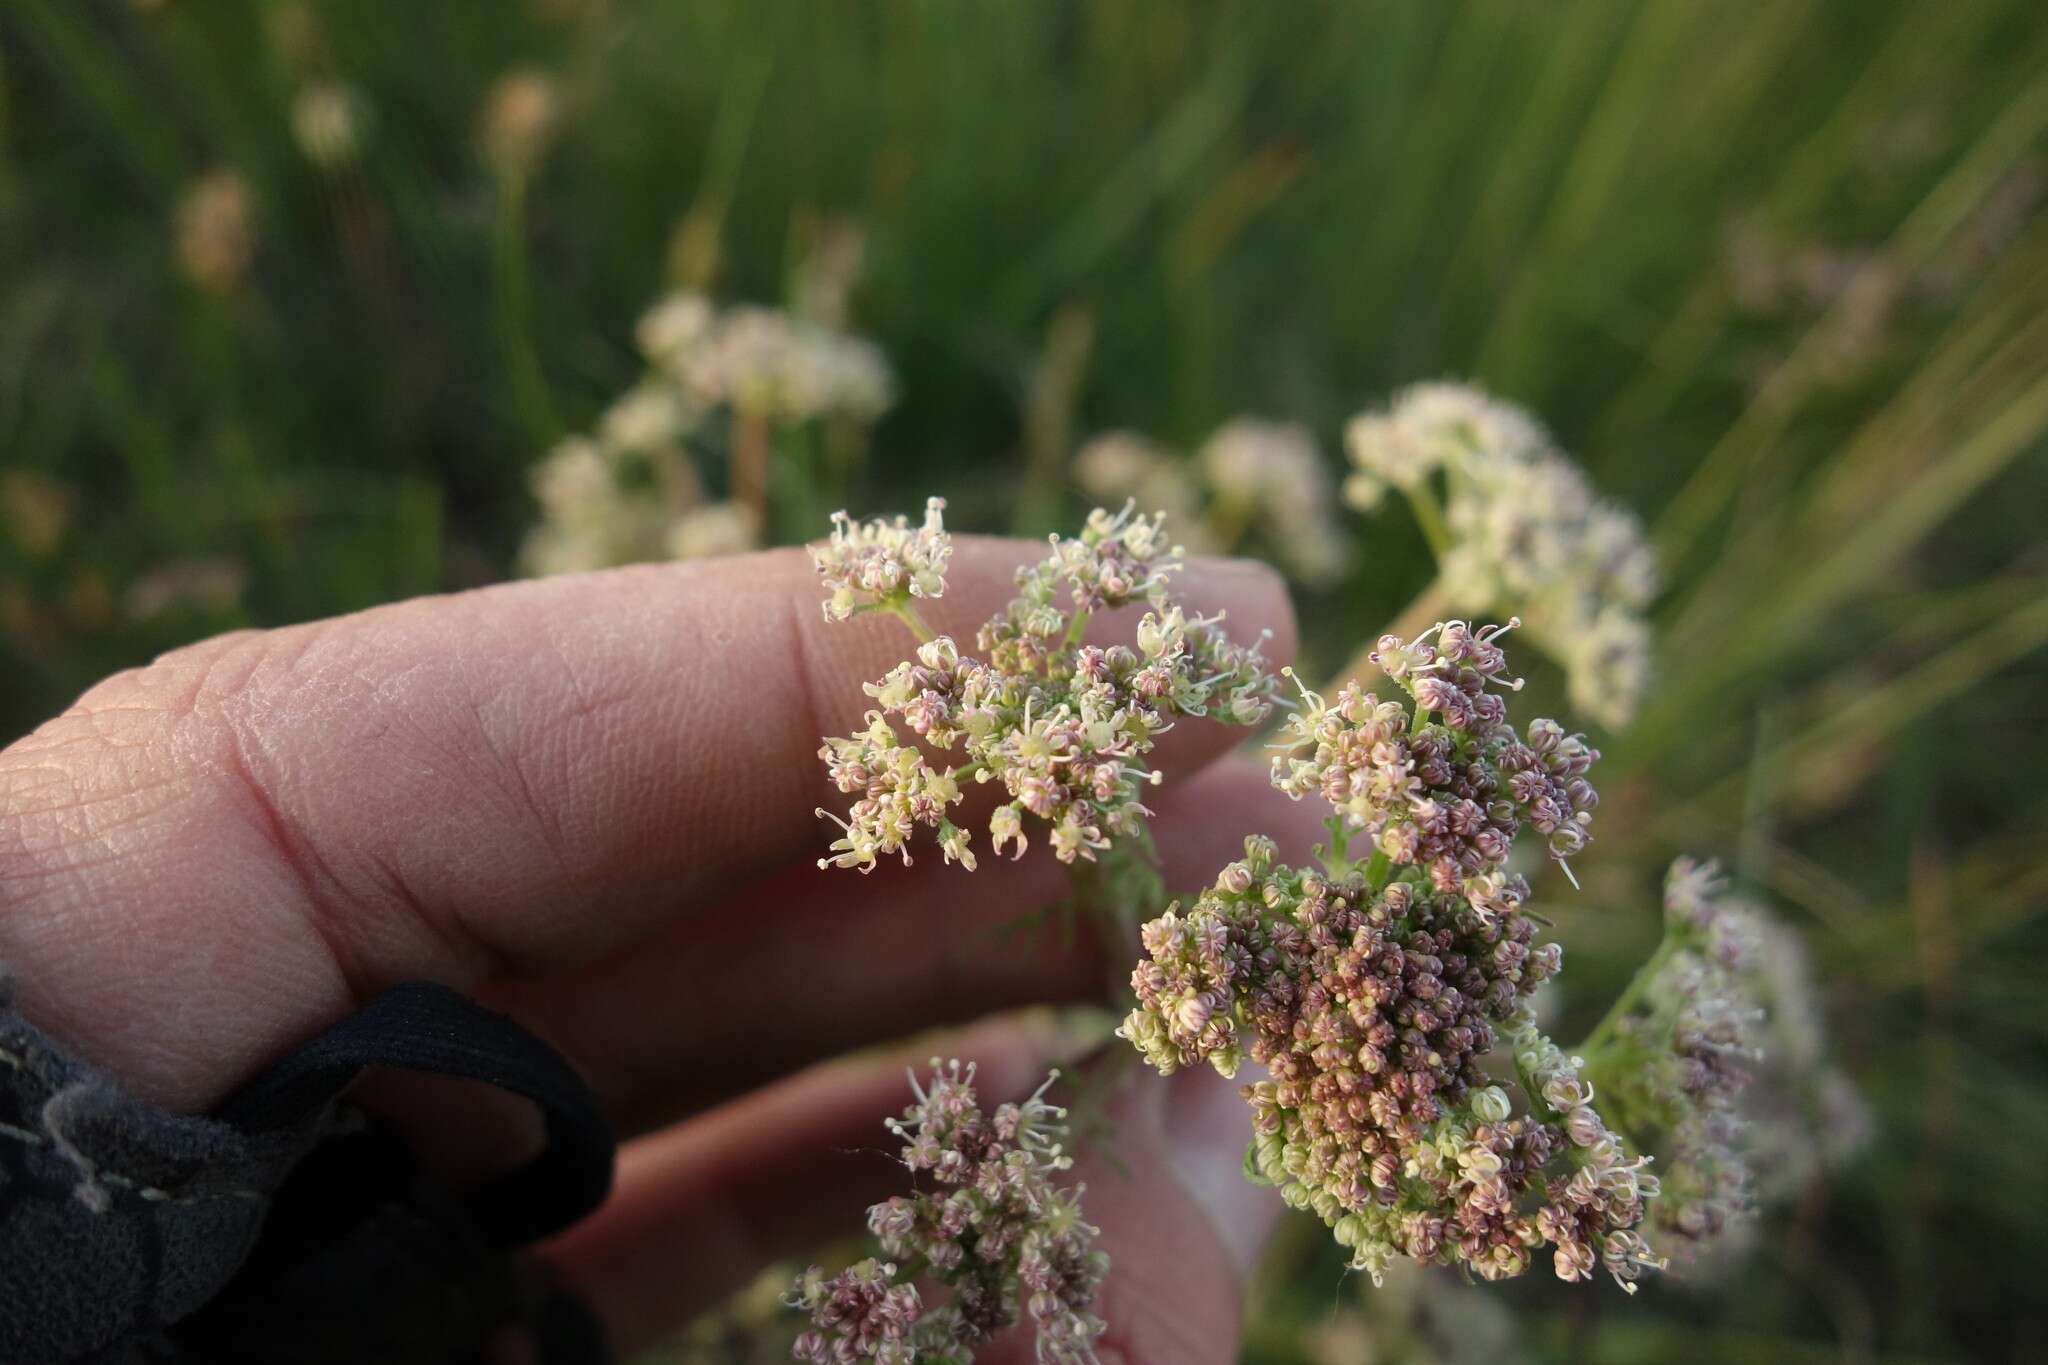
288 1226
420 1026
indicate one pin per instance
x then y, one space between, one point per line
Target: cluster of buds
1676 1058
1447 795
1371 1012
1251 477
519 120
1524 529
995 1228
1063 727
1373 991
861 1314
1718 1056
1594 1212
1271 475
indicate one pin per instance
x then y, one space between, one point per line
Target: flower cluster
1271 474
1598 1208
1804 1115
994 1228
1372 992
1722 1012
1062 726
629 496
1448 795
1250 476
1370 1012
1702 1028
1122 465
786 368
1519 526
634 489
872 564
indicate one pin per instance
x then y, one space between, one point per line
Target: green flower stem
512 296
1534 1092
1602 1036
1429 515
1077 629
753 460
903 610
1377 870
1335 861
1228 520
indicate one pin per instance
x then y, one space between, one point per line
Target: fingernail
1208 1127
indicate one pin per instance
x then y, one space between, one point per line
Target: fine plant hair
1410 1099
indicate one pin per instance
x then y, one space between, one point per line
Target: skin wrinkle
300 859
354 916
513 780
591 707
440 712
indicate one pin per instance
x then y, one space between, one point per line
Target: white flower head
868 564
1526 530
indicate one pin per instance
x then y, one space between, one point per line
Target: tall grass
1778 273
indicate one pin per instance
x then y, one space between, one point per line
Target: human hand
589 801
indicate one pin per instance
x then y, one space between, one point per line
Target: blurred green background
1777 272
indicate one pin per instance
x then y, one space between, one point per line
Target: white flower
674 327
866 564
719 528
646 417
762 360
1527 533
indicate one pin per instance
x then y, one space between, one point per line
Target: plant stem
1227 520
1077 629
903 611
1049 408
1334 860
753 449
1630 997
515 330
1429 515
1377 870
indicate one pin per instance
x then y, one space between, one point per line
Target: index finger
251 834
